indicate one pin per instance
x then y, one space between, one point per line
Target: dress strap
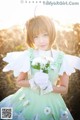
31 53
58 60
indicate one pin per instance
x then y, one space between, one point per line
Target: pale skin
42 42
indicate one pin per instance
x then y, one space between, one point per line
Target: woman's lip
43 45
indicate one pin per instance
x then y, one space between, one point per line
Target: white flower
64 115
42 63
39 60
26 103
22 97
50 59
47 110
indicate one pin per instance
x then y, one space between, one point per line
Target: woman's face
41 41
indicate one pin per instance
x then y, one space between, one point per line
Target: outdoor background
13 38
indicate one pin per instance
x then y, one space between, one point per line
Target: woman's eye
35 37
45 34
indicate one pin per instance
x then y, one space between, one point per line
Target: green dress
29 104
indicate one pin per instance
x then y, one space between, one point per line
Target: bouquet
42 63
41 78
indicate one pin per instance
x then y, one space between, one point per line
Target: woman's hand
43 83
21 80
63 85
41 79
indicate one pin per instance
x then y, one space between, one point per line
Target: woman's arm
22 80
63 85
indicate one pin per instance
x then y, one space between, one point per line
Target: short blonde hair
37 25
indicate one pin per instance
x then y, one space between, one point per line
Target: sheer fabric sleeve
17 62
70 64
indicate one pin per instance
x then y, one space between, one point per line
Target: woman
37 70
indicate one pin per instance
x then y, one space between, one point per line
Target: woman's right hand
32 84
41 79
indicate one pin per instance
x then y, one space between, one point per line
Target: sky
17 12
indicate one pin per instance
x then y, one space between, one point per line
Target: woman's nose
40 39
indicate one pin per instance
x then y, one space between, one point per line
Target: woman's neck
44 49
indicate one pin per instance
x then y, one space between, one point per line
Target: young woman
37 70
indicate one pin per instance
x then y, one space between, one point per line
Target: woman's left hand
41 79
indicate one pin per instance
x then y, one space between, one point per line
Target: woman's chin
44 48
